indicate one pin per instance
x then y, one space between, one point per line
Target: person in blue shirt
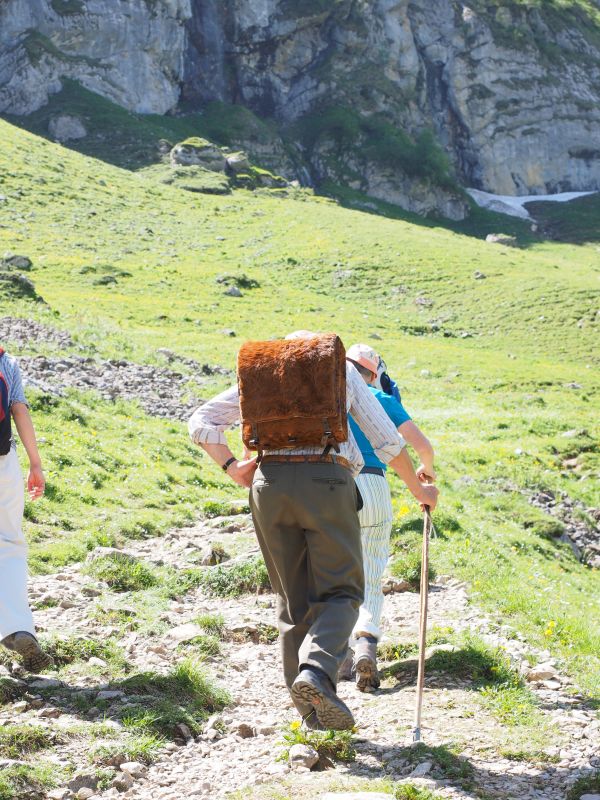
376 514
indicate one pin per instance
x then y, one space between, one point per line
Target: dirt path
239 746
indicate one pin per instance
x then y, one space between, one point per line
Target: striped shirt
209 422
12 374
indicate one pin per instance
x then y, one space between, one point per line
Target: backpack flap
293 393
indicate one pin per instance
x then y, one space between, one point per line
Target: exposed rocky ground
238 747
161 392
582 532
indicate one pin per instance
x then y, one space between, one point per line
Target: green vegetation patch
122 575
232 581
410 792
585 785
330 745
185 695
18 740
406 562
68 7
77 648
576 221
379 140
27 782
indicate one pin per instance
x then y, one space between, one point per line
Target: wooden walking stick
424 594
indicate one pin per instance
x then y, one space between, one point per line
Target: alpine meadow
127 285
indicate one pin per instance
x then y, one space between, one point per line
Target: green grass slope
496 370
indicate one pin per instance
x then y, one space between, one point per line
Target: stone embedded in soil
541 672
133 768
302 756
185 633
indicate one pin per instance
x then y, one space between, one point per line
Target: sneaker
346 672
365 664
313 686
27 646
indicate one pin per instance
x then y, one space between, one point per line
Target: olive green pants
307 526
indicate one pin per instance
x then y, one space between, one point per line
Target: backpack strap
328 441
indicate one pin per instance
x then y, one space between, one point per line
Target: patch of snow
514 206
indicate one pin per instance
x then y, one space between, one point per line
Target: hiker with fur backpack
17 632
292 398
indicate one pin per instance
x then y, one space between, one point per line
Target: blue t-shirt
395 411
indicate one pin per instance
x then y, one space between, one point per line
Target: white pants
15 614
375 529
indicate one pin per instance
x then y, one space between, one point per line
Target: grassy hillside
497 369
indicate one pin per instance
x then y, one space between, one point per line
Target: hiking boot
313 686
27 646
346 672
365 664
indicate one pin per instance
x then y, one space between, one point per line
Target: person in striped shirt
17 631
376 517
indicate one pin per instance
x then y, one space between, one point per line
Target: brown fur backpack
293 393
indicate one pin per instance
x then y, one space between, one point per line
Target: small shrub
20 782
66 651
407 566
410 792
141 746
212 623
184 695
219 508
208 645
332 745
17 740
122 575
232 581
587 785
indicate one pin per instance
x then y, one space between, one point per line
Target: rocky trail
120 650
238 747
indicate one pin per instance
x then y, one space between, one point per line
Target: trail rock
65 127
185 633
199 152
421 769
541 672
302 756
134 768
12 261
501 238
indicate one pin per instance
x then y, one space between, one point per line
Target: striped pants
375 528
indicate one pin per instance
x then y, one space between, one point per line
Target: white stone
185 633
134 768
541 672
421 769
302 756
66 127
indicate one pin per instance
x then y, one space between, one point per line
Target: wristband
228 463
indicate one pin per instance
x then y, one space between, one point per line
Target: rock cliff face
510 91
131 52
